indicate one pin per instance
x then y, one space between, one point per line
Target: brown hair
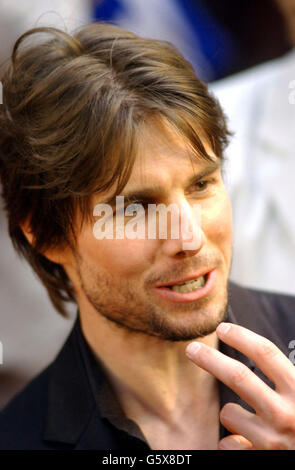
71 109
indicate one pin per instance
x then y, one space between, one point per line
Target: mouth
189 289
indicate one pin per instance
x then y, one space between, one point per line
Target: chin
192 325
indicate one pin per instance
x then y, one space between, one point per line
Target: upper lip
185 279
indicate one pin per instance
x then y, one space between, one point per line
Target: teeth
189 286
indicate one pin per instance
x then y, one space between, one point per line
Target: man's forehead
163 150
161 184
164 159
178 168
158 184
159 135
178 165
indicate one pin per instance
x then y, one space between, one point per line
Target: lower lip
197 294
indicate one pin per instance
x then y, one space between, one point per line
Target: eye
202 185
135 206
138 209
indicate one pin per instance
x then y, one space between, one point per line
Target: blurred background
244 50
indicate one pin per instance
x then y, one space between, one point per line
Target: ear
56 255
26 229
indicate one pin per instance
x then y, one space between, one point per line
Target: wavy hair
72 106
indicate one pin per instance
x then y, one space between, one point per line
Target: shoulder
270 314
54 409
22 420
278 308
274 303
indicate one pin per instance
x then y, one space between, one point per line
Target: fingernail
192 349
225 446
223 328
234 443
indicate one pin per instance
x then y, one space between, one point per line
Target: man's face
126 281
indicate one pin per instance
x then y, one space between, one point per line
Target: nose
187 238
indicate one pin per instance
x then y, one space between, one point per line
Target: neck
149 375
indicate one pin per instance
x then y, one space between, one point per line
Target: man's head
100 114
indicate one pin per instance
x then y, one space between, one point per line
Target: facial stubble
126 311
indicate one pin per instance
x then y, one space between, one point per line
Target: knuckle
274 443
239 374
267 349
282 418
285 420
208 354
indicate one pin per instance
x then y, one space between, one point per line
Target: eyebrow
150 194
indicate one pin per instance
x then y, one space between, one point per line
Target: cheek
117 257
217 222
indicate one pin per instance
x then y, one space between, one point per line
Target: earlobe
53 256
25 228
58 256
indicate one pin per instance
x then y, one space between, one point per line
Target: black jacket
57 410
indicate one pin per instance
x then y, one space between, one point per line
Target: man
98 116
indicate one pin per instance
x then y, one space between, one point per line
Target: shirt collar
105 397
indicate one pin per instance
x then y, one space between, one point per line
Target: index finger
268 357
235 375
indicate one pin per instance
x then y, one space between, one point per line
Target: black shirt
70 405
108 403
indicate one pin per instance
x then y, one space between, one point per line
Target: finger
235 375
235 442
268 357
239 421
